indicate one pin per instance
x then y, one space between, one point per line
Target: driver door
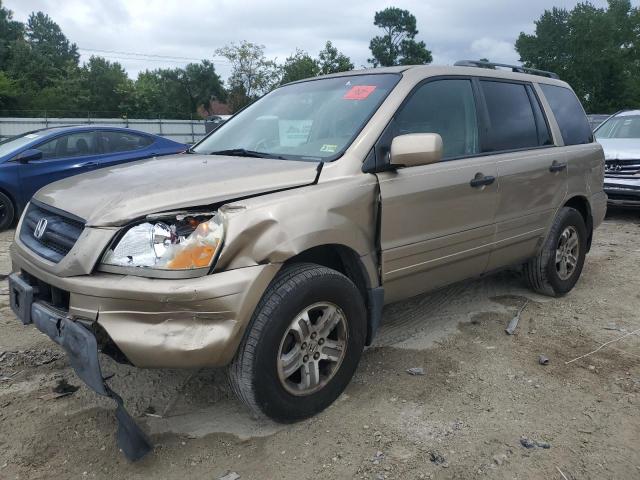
438 220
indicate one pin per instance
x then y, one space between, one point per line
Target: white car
620 138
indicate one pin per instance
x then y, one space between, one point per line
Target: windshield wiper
242 152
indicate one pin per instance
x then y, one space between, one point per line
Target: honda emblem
41 227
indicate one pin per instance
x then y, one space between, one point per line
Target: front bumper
181 323
623 192
82 351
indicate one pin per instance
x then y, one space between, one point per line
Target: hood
620 148
116 195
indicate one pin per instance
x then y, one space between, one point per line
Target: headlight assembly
179 242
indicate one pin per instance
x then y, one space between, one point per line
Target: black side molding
376 302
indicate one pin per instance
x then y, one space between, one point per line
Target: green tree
50 49
252 74
596 50
10 32
398 45
108 88
8 93
331 60
177 92
299 66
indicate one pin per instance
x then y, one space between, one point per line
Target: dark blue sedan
32 160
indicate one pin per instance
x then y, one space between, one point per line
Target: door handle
480 180
89 164
556 166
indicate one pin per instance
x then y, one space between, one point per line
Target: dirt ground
482 392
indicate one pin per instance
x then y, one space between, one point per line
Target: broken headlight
176 242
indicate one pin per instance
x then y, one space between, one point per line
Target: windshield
624 126
12 144
315 120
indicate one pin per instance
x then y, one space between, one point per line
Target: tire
7 212
258 375
543 273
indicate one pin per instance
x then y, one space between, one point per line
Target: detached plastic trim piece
82 350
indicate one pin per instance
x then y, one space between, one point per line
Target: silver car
620 139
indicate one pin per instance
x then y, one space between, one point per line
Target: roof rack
514 68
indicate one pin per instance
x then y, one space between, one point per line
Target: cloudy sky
173 32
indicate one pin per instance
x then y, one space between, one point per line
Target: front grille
44 292
60 235
622 168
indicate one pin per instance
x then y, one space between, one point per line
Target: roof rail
514 68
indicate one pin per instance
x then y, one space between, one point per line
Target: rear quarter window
569 114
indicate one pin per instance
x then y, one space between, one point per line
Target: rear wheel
7 212
557 267
303 345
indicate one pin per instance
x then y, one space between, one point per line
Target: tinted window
512 123
569 114
112 142
445 107
72 145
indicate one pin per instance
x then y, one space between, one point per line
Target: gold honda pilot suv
272 245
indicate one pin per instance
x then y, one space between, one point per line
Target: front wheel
557 267
303 344
7 212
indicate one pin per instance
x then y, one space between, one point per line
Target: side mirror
416 149
28 155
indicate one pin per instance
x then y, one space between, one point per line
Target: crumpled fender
275 227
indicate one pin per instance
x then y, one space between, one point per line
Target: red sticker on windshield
359 92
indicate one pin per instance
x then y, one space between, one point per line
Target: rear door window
512 120
446 107
569 114
114 142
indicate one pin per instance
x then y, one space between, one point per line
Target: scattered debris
230 476
613 326
500 459
8 377
603 345
416 371
563 475
151 412
30 358
64 388
543 360
513 323
528 443
436 458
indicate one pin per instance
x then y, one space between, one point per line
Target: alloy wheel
312 349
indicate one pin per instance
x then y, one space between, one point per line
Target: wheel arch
581 204
347 261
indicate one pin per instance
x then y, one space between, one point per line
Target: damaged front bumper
622 191
82 351
151 323
161 323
